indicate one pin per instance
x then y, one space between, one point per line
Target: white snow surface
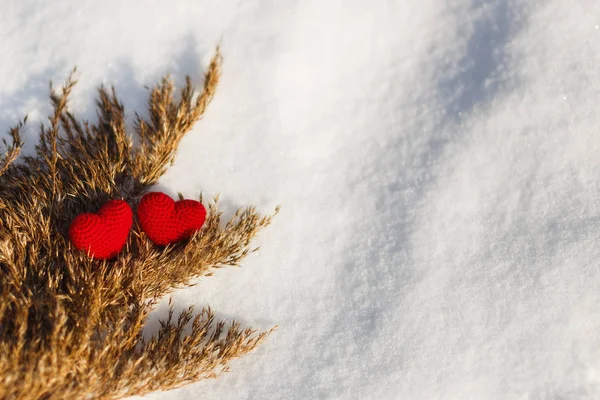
437 163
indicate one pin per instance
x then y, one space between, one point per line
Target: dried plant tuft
72 327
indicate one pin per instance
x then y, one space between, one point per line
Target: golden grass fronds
70 326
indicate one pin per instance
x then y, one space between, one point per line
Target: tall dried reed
71 326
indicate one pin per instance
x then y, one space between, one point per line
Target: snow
437 163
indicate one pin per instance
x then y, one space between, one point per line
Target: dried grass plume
70 326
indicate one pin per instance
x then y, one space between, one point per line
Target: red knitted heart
166 221
104 234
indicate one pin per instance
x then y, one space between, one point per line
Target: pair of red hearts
103 235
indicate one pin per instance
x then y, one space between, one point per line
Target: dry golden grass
70 326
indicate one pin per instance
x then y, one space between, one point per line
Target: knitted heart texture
102 235
166 221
